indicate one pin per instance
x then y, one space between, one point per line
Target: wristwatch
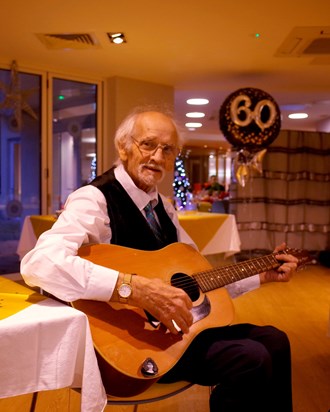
125 289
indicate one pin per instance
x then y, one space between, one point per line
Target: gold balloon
256 162
246 163
242 174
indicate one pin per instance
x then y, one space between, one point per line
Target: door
20 158
74 131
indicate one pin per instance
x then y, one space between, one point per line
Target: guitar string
220 276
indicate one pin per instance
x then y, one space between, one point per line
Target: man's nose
158 153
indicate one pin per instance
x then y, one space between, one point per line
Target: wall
121 96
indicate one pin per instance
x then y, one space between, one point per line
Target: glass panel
20 157
74 137
224 170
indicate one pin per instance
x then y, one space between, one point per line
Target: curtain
290 199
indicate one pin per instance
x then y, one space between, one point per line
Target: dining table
33 227
46 345
213 233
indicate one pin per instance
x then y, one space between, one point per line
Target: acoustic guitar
133 350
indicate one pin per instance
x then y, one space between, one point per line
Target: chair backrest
218 207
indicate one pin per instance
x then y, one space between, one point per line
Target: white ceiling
201 48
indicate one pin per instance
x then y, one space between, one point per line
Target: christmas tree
181 185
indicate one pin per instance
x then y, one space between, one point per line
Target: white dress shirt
53 264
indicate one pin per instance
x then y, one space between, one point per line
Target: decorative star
246 163
16 99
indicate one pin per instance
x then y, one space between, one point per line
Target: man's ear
122 154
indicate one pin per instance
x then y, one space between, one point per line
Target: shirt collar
139 197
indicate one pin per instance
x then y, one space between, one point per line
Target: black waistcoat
129 227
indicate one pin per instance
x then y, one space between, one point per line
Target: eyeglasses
150 147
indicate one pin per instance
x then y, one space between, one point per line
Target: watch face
125 290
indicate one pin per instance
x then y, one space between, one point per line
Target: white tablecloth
226 240
27 239
48 346
213 233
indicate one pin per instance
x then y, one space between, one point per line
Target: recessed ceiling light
298 116
192 124
195 115
197 101
117 38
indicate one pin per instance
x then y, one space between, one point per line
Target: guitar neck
224 275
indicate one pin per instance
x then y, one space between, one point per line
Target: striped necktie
151 219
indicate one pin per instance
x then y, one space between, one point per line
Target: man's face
153 151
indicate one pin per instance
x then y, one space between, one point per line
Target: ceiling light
298 116
194 124
195 115
117 37
197 101
88 140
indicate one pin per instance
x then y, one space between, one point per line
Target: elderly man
249 365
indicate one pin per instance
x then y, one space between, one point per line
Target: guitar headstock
303 256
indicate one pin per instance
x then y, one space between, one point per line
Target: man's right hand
168 304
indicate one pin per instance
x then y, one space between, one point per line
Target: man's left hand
285 271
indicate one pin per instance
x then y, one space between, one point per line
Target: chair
156 392
204 206
218 207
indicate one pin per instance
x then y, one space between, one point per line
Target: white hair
125 131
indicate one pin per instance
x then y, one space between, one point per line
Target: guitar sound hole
187 283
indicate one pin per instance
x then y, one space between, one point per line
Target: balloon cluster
250 120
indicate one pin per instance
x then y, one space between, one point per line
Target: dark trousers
249 365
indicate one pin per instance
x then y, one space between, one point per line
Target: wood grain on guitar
125 339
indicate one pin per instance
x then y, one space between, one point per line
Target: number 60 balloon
250 118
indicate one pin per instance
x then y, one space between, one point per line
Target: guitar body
124 337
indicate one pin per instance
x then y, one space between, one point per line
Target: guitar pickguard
185 282
202 310
190 286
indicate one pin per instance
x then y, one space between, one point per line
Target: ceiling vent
69 41
306 41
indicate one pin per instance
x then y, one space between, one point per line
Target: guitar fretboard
224 275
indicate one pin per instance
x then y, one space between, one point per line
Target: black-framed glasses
149 148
